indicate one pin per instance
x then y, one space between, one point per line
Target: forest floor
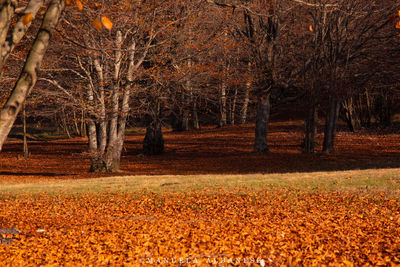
208 151
207 201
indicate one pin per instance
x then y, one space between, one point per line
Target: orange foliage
79 4
97 24
106 23
27 18
278 227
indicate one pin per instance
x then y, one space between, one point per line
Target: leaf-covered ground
208 151
224 226
274 227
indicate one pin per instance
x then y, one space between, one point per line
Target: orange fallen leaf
106 23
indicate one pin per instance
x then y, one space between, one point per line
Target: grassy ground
382 180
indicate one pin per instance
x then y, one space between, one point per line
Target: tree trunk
10 39
153 143
64 123
330 125
310 128
222 105
384 108
185 120
26 152
106 143
369 110
83 125
28 77
77 129
243 116
196 123
262 120
350 115
233 107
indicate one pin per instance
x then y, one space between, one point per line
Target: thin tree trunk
233 108
115 93
330 125
352 119
196 123
102 124
26 152
77 130
222 121
28 76
262 120
243 116
64 123
183 121
369 110
310 128
83 124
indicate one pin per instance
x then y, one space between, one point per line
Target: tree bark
108 159
9 40
330 125
28 76
233 107
262 120
222 107
243 116
185 112
352 119
310 128
153 143
26 151
196 123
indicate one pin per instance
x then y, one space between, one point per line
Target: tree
342 36
114 60
9 38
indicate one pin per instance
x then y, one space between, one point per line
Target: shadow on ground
210 150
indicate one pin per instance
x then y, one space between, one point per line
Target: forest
183 65
200 132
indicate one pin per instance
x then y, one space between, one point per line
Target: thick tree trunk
262 120
330 125
106 144
310 129
108 161
28 77
153 143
